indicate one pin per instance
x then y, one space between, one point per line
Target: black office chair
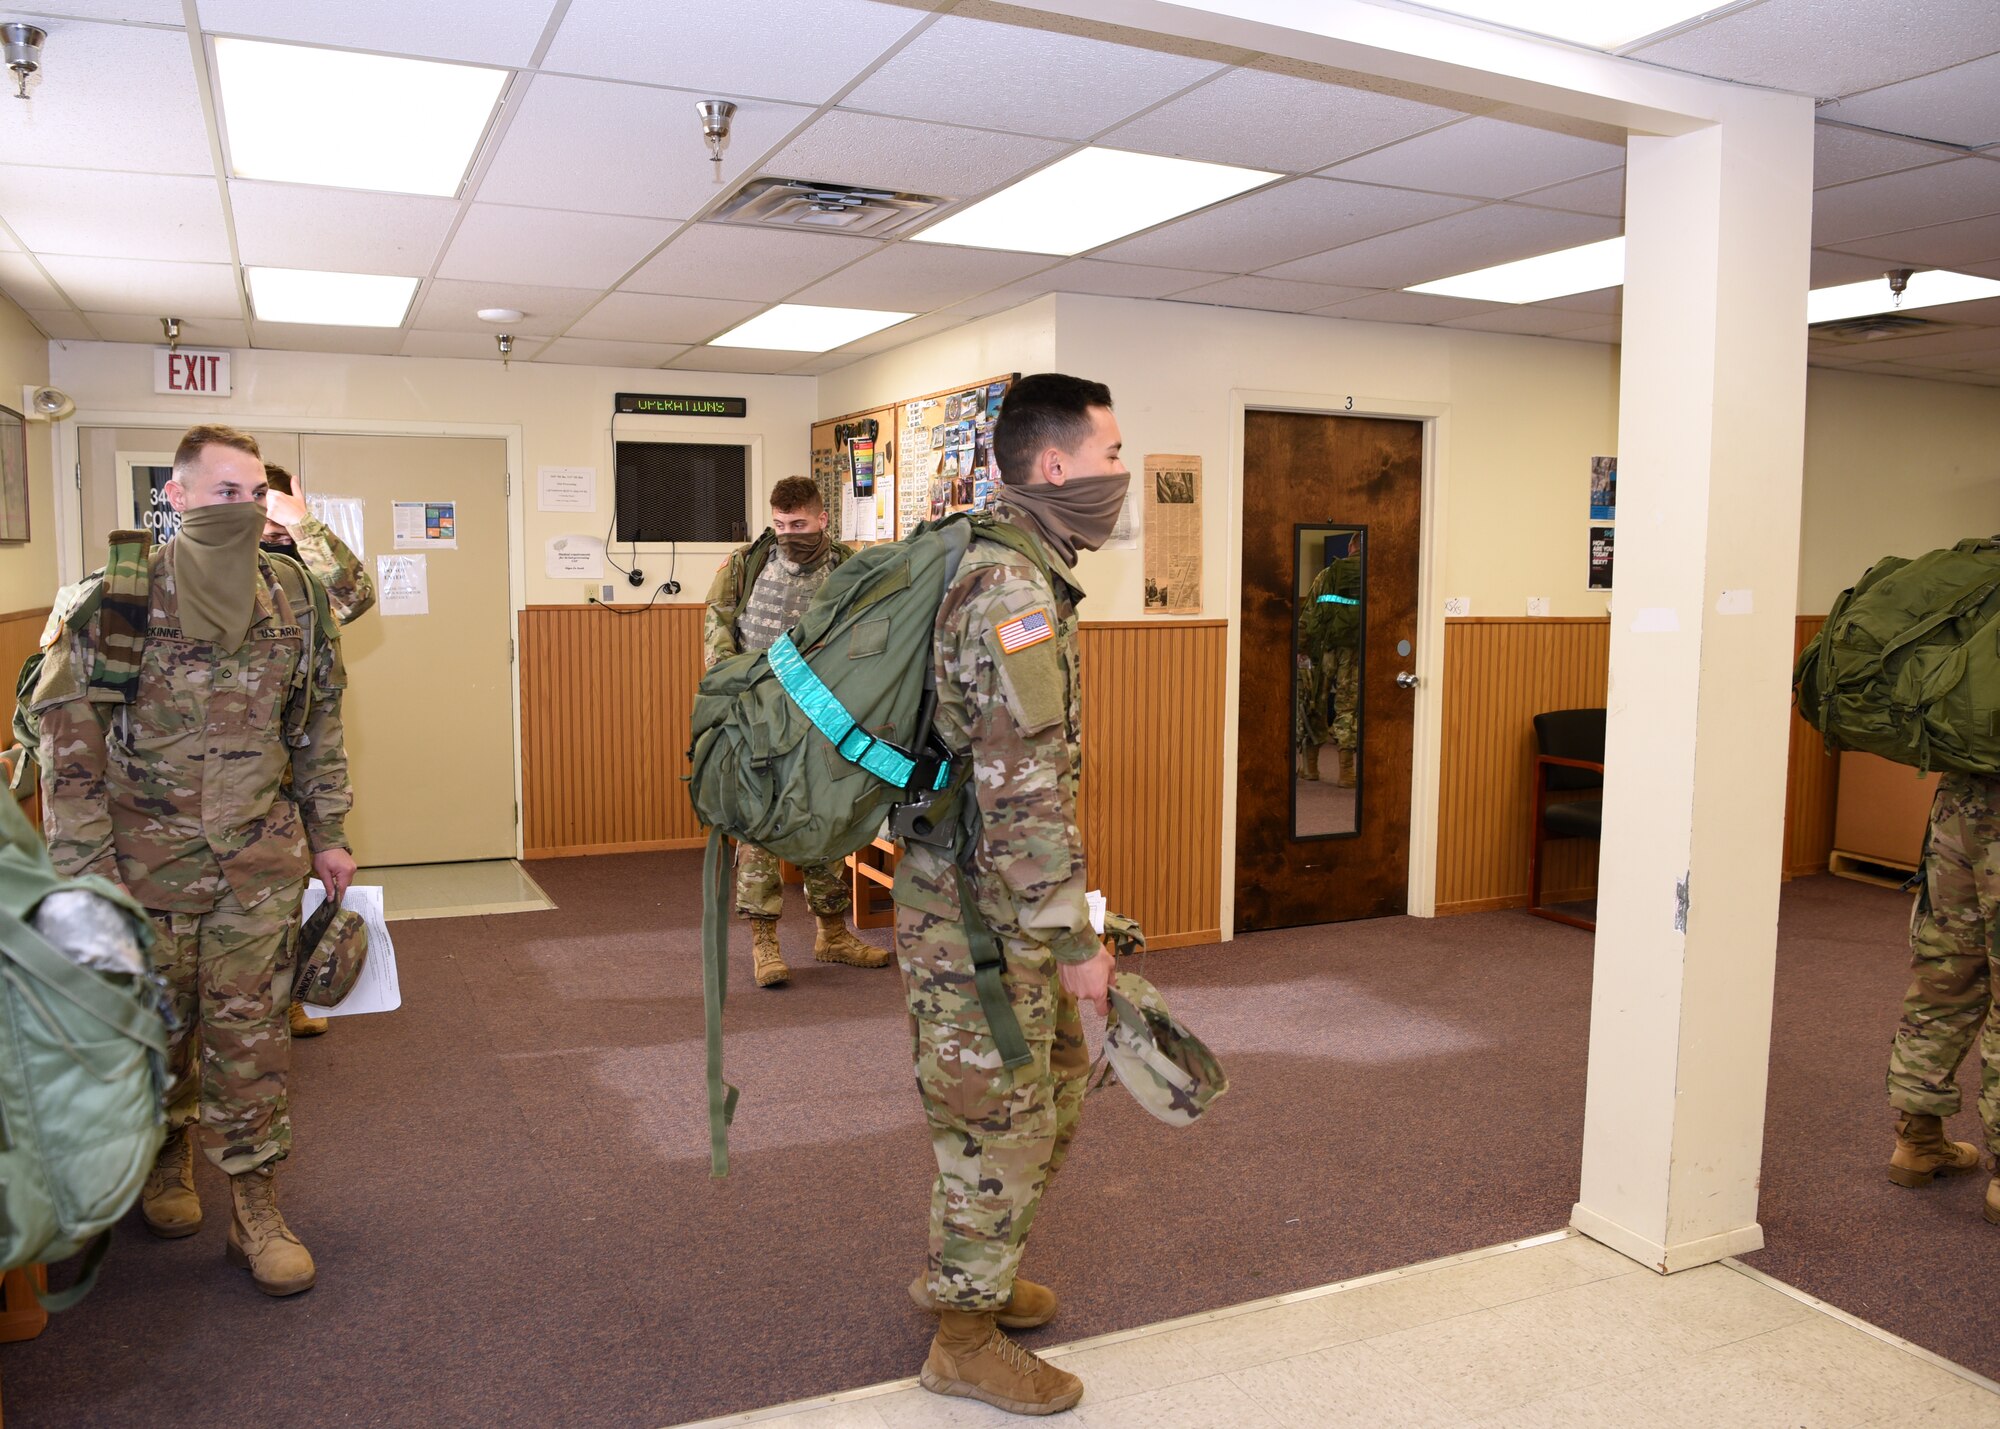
1569 788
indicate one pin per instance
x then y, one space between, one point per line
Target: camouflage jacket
177 796
1008 682
730 591
350 590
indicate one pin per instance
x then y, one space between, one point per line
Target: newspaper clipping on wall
1172 525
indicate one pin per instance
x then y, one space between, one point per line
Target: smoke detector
827 208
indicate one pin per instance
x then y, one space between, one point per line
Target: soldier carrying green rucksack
1907 667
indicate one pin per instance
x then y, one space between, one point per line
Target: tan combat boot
1992 1210
971 1359
259 1239
1312 761
1029 1307
168 1204
1346 779
1922 1151
302 1025
765 960
835 943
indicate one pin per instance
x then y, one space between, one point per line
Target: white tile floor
1543 1334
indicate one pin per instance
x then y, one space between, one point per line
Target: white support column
1711 437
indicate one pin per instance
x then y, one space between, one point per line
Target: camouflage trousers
1345 678
1954 959
760 888
999 1134
1309 722
228 973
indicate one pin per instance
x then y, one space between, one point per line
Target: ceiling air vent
825 208
1877 326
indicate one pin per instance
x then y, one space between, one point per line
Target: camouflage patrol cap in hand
1164 1066
333 948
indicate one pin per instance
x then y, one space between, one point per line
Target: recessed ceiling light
1595 23
1535 280
1091 198
801 327
1925 290
310 116
501 315
296 295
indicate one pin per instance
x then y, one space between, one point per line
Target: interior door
1331 535
430 704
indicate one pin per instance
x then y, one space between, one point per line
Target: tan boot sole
170 1230
920 1294
773 979
240 1257
965 1389
1914 1177
879 960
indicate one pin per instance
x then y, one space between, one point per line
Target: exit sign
191 373
655 404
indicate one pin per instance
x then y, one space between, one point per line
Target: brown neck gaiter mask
214 558
804 548
1076 516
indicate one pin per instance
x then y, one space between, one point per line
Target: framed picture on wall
13 476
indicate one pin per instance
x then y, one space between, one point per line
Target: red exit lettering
193 372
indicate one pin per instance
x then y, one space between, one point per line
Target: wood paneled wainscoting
605 701
1499 674
20 632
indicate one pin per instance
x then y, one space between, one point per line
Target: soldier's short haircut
277 478
1043 410
200 439
797 493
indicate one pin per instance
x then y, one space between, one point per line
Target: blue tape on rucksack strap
1338 600
820 705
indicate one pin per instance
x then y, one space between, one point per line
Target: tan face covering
1078 515
215 570
804 548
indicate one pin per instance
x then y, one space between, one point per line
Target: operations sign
658 404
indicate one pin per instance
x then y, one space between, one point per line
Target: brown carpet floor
506 1186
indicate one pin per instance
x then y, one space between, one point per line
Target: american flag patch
1025 630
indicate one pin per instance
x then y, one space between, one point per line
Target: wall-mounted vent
827 208
1877 326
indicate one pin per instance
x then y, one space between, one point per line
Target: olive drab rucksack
1907 665
804 750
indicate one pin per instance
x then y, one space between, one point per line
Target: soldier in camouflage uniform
292 530
1008 701
760 592
1330 664
178 797
1956 964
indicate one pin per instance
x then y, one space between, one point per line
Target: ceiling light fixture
297 295
1918 290
1091 198
23 52
1536 280
501 315
801 327
300 115
1581 22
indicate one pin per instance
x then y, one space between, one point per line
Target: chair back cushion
1572 734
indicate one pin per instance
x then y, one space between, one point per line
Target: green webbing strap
35 956
86 1279
714 993
850 741
988 963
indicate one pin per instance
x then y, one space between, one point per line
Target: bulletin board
884 471
853 464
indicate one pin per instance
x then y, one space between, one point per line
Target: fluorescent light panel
1089 199
301 115
298 295
1925 290
1536 280
801 327
1601 24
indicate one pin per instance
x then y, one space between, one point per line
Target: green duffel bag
82 1059
1907 665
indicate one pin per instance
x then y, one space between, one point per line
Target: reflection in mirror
1328 623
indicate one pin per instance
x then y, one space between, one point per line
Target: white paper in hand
1096 901
376 990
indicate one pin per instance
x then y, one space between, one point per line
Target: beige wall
27 572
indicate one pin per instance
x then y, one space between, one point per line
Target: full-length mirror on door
1330 570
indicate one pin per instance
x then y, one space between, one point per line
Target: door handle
1405 680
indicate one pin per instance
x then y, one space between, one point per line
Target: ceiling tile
1531 321
804 50
1462 243
26 284
592 352
1265 119
1487 157
477 347
311 337
529 245
735 359
452 305
61 325
1840 156
571 146
848 148
338 230
714 260
645 317
147 12
1982 360
474 30
1830 269
1112 280
1022 78
1943 245
123 285
1609 332
114 97
1783 44
1953 106
1937 348
1602 194
1915 198
195 332
103 215
917 277
1271 294
1287 221
1603 302
1409 308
